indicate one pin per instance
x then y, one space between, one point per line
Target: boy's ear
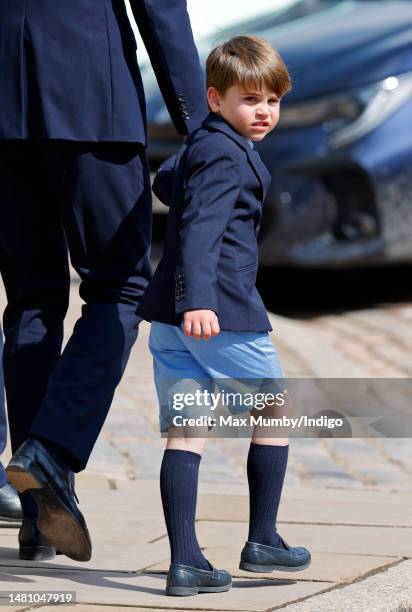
213 99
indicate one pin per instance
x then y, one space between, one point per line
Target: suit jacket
215 187
68 69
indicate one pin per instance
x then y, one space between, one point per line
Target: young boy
204 289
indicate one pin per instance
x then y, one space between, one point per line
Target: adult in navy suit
74 178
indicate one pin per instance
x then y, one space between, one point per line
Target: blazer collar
216 122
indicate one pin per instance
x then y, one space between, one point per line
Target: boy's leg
178 487
251 355
266 467
181 459
175 441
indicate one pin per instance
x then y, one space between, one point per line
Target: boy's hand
200 324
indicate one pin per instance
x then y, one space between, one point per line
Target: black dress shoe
261 558
33 546
183 580
10 509
59 519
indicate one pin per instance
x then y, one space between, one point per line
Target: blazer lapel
261 170
217 122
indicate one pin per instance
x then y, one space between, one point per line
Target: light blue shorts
182 363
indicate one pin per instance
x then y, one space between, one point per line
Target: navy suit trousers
93 200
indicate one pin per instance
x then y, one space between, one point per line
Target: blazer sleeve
211 193
164 26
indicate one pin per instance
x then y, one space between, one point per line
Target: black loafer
59 519
10 509
264 559
184 580
33 546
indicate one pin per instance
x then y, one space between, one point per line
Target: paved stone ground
348 500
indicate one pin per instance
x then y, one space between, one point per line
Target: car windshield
295 10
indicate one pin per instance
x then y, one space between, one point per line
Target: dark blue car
341 157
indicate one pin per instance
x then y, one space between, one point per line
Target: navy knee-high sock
178 488
266 467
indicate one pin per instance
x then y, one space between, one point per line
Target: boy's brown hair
249 61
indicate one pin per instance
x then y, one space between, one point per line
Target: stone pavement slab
113 608
390 591
313 494
229 502
139 497
312 351
120 528
108 557
344 539
131 547
348 508
131 589
326 567
125 529
131 552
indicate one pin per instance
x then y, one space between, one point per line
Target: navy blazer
215 187
68 69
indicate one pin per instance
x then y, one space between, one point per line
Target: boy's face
252 113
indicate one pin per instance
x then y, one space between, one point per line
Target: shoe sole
55 521
36 553
267 569
186 591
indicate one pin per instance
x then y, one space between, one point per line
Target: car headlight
382 102
349 116
336 109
